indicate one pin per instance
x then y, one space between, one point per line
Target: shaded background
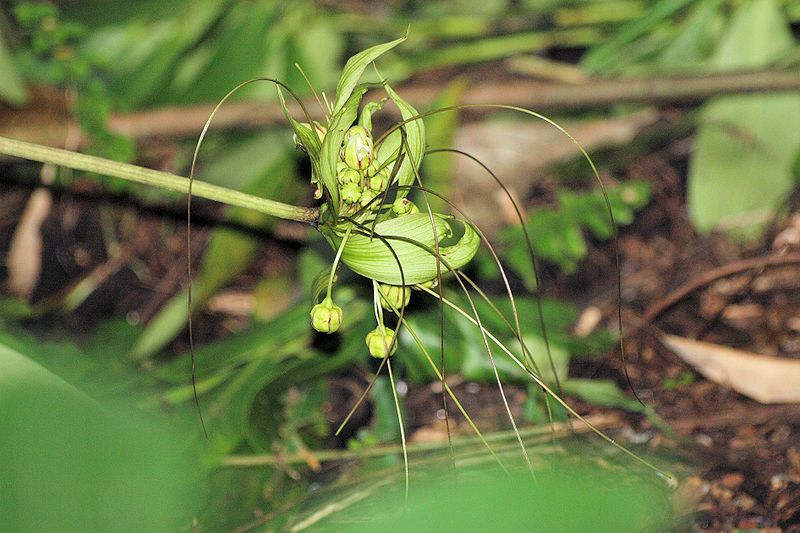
689 108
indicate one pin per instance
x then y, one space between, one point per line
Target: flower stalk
155 178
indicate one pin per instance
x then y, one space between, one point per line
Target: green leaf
696 39
601 392
575 497
556 233
12 88
72 464
741 169
354 68
307 135
145 52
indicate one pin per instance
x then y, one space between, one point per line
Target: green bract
411 237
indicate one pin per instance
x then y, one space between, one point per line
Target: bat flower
363 180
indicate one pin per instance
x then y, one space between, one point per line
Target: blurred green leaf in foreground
69 463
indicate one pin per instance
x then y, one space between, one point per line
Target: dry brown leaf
763 378
518 151
25 253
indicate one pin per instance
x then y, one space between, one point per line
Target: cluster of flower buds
359 174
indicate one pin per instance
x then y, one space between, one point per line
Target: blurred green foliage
569 497
72 463
264 388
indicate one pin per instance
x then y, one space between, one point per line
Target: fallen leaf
763 378
25 253
518 151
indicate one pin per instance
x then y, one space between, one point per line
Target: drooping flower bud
348 175
357 149
394 297
351 193
404 206
326 317
381 344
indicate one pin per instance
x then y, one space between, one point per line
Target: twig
753 414
714 274
598 421
177 122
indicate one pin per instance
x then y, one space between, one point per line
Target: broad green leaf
233 53
354 68
372 258
12 88
569 496
696 39
228 353
539 354
425 325
146 52
741 168
478 366
317 45
70 463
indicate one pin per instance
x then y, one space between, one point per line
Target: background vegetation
94 290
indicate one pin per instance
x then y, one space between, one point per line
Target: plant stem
155 178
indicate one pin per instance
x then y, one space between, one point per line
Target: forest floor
675 282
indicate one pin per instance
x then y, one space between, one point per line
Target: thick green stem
155 178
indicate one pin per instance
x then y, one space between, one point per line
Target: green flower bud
326 317
404 206
394 296
430 284
348 175
351 193
378 182
374 168
357 150
381 344
366 198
